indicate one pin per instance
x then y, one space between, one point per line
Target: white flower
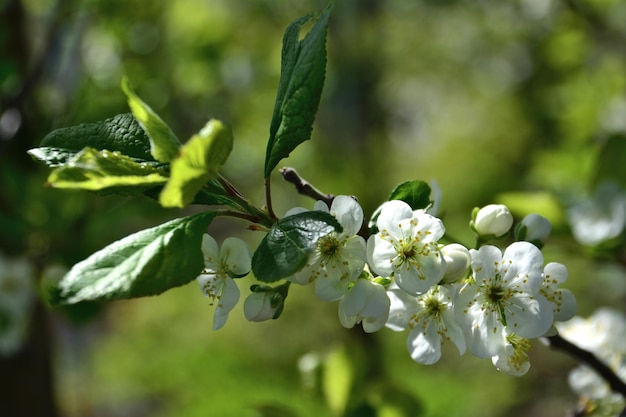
600 218
406 247
367 303
603 333
338 258
220 267
457 259
534 228
261 306
512 359
563 301
493 220
431 319
503 291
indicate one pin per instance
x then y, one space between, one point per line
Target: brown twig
304 187
591 360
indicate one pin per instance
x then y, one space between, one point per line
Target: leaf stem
268 197
304 187
589 359
239 215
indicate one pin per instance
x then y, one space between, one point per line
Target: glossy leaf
163 142
415 193
197 163
303 69
145 263
95 170
287 246
120 133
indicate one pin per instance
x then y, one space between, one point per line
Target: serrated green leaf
121 133
197 163
285 249
415 193
95 170
303 69
145 263
163 142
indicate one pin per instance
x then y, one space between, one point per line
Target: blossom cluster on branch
486 300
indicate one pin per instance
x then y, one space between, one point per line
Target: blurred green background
496 101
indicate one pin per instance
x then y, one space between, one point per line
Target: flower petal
348 213
237 255
211 253
391 214
425 345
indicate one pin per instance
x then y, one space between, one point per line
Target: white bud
258 306
458 259
493 220
537 229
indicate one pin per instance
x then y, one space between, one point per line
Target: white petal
402 305
211 253
555 272
528 316
425 346
483 331
349 214
568 306
228 300
237 255
320 206
522 263
501 362
432 226
391 214
484 261
330 288
379 255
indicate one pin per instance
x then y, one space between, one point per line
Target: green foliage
197 163
94 170
286 247
120 133
301 81
145 263
415 193
163 142
610 164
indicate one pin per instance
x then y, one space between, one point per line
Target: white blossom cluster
603 333
485 300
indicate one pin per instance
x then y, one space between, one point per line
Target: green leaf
300 88
145 263
120 133
197 163
91 169
163 142
415 193
610 164
286 248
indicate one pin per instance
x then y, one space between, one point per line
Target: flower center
521 346
329 246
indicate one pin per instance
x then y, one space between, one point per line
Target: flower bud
261 306
534 229
491 221
457 261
